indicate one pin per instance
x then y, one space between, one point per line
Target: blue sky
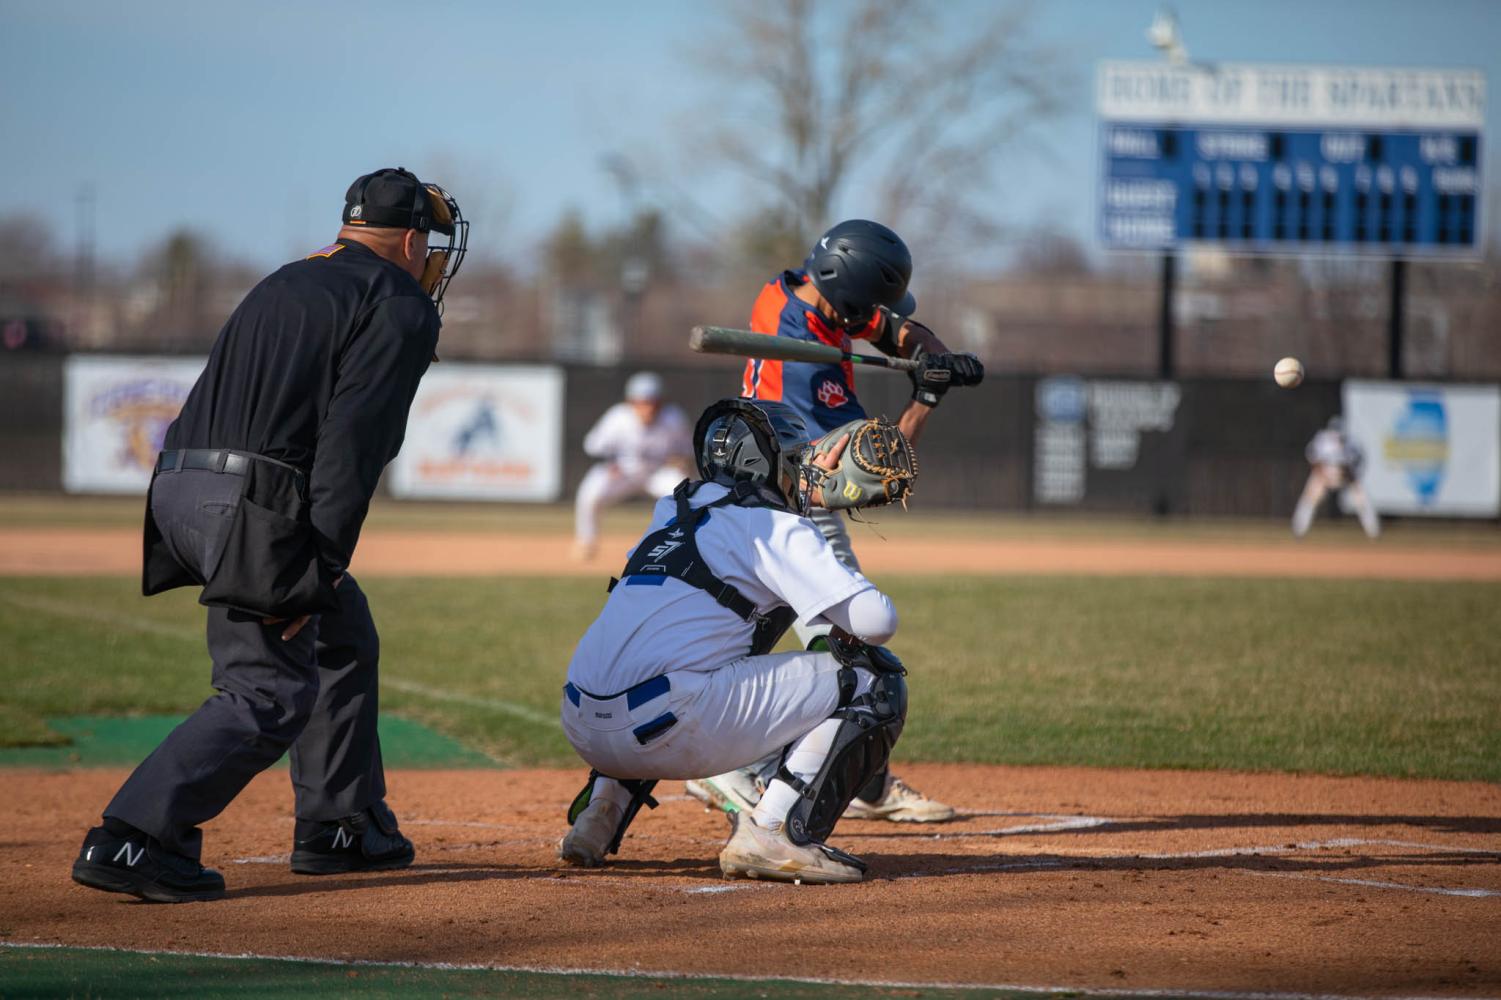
248 120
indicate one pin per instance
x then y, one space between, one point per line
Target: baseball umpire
258 499
853 286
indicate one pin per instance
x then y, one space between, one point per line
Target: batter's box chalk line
1374 884
1345 842
1085 859
639 973
1051 823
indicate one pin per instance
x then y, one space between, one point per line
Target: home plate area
1058 878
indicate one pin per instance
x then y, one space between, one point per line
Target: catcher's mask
754 440
395 198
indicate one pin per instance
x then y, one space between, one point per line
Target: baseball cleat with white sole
587 841
758 853
901 804
731 792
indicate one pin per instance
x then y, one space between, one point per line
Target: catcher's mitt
878 466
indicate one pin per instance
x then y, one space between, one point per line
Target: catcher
853 286
675 678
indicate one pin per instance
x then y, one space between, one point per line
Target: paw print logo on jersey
832 394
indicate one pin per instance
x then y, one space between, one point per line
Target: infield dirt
77 551
1060 877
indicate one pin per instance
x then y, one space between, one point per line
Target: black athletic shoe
139 865
367 841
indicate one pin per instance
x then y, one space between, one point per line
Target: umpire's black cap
394 197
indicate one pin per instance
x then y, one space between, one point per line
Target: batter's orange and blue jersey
823 395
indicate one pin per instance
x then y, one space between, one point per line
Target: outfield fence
1015 443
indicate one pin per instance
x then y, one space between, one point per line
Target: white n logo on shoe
131 857
342 838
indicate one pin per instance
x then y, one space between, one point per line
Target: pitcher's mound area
1053 877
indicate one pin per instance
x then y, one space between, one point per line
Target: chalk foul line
512 708
133 623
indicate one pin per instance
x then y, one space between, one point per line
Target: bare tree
26 247
888 94
1048 252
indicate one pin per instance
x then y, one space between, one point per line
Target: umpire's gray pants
314 694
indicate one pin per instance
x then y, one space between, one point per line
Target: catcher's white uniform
636 458
1336 462
729 708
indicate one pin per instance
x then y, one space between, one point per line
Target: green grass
1340 677
86 972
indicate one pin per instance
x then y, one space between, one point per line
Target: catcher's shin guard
870 726
640 795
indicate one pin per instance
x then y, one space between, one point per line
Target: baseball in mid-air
1288 373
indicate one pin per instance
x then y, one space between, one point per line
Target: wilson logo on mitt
878 466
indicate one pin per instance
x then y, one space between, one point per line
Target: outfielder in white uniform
643 446
674 678
1336 462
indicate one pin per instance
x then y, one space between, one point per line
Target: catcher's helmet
859 266
755 440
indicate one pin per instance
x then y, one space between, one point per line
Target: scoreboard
1290 159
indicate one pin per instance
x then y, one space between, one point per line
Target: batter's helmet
861 265
755 440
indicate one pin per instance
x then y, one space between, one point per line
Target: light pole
1166 37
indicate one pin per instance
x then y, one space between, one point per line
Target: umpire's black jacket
315 371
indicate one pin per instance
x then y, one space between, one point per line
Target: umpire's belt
618 711
230 463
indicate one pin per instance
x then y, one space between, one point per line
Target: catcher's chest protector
673 551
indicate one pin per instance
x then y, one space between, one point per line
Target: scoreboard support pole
1165 365
1395 321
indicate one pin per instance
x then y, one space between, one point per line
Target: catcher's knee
870 723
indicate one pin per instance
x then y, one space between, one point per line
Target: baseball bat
749 344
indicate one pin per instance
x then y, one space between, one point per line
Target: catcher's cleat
901 804
588 840
731 792
366 841
755 852
138 865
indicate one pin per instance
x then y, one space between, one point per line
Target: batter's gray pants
831 523
314 694
835 529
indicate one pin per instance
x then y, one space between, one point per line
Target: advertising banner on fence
483 432
1090 431
115 414
1429 449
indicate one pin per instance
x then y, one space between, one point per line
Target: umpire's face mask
443 261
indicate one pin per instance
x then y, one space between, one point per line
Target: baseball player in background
643 446
675 678
1336 461
853 286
